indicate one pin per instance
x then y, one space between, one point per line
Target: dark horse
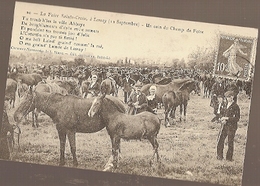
172 99
144 125
68 112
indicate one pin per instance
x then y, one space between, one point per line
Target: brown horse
69 113
28 79
46 87
172 99
10 91
161 89
144 125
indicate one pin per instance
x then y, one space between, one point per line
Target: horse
71 86
120 125
46 87
161 89
172 99
68 112
28 79
10 91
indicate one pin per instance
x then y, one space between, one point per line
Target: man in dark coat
217 92
229 126
127 84
137 101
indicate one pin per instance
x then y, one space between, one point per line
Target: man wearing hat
127 83
110 76
228 126
217 93
137 101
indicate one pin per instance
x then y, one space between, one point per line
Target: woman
152 100
94 87
229 126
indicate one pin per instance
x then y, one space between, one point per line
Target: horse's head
197 87
26 106
96 105
190 86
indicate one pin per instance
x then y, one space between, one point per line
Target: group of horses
73 114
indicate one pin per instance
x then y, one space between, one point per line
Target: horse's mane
119 105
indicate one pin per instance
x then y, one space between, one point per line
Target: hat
229 93
153 87
94 75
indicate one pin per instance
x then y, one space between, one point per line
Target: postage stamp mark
234 58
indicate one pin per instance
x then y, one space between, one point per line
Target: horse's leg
181 112
72 141
172 114
115 148
166 112
84 95
62 137
185 109
153 141
36 114
33 122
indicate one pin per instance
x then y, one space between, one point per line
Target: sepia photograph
128 94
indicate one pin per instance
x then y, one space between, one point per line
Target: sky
148 38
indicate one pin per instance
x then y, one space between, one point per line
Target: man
109 75
137 101
219 108
127 84
228 126
217 91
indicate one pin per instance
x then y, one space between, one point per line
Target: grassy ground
187 149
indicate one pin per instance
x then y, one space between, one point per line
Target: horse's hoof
62 163
151 163
75 164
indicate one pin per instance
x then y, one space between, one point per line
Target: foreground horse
144 125
172 99
69 113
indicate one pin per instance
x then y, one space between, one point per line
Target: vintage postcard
128 94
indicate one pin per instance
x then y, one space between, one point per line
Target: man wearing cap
109 76
228 126
137 101
127 84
